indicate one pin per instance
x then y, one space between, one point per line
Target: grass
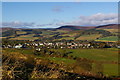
89 37
106 69
25 37
70 34
94 54
61 31
111 69
46 32
109 56
61 60
66 38
24 51
111 30
21 32
110 38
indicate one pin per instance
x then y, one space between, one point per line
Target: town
56 45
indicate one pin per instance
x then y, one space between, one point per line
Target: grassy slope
25 37
89 37
61 60
21 32
112 30
107 55
94 54
110 38
68 35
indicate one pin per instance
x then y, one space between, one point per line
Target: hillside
110 26
70 27
63 33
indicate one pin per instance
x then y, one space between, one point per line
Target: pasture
25 37
108 58
103 60
89 37
109 39
21 32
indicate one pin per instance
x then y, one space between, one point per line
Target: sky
60 0
56 14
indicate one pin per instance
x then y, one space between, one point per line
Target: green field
105 59
89 37
61 31
111 69
70 34
94 54
21 32
66 38
111 30
104 56
110 38
25 37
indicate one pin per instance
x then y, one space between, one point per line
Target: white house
18 46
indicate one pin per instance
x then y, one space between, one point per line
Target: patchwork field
97 34
25 37
89 37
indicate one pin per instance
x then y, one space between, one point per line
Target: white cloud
96 19
93 20
17 24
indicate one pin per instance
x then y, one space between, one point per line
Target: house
19 46
38 49
118 47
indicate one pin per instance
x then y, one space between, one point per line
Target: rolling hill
68 32
109 26
70 27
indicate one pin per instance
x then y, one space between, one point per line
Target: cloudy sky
56 14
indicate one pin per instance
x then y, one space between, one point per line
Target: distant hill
109 26
68 32
6 29
70 27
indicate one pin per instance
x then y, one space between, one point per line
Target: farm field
21 32
25 37
94 54
59 41
96 34
112 30
106 58
109 39
89 37
66 38
70 34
